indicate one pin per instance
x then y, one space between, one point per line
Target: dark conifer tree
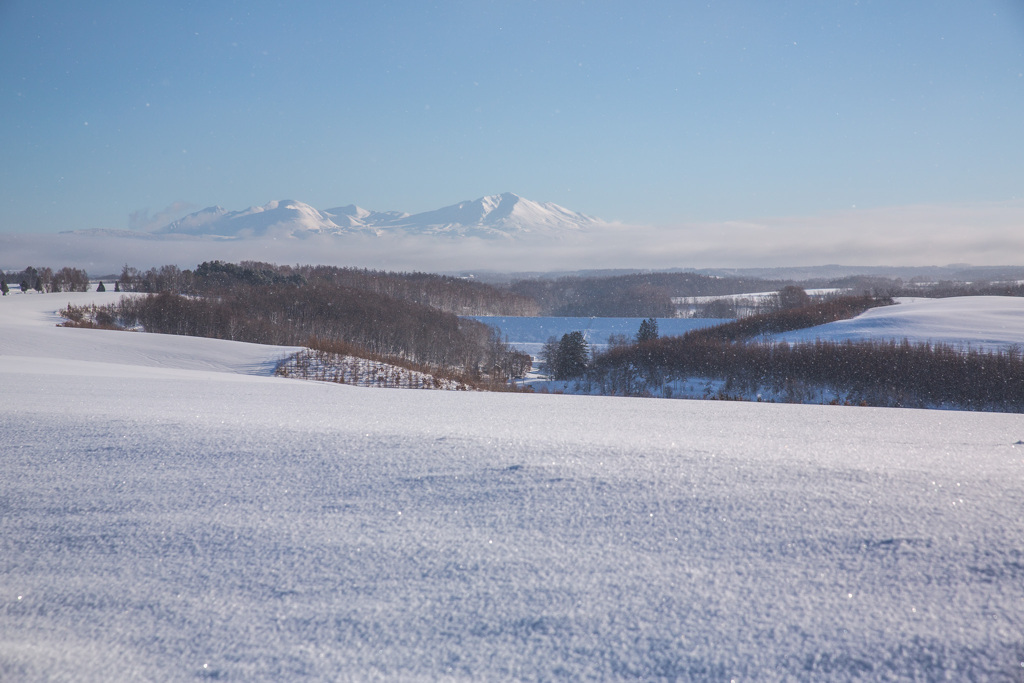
549 354
572 356
648 330
792 296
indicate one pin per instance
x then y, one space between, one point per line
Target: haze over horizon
727 134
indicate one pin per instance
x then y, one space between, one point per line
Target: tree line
618 295
640 295
636 295
879 373
796 313
46 280
442 292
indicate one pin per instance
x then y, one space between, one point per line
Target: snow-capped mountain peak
494 216
196 223
287 216
505 215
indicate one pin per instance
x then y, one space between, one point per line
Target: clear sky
118 114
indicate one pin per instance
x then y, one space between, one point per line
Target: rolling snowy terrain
170 511
991 323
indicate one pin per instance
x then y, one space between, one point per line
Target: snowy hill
498 216
979 322
172 512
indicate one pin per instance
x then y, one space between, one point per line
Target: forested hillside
442 292
638 295
324 309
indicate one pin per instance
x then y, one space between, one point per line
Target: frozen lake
529 333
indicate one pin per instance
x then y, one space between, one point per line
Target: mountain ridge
285 215
503 216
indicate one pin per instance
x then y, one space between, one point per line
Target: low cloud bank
141 220
981 234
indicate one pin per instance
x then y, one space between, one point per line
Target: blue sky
115 114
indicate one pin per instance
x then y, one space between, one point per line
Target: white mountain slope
353 216
285 217
504 215
497 216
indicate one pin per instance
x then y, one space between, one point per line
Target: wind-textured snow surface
167 516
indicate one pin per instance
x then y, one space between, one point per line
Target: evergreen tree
573 354
101 288
549 354
792 296
648 330
4 288
45 276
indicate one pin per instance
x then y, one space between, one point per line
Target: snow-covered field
978 322
172 512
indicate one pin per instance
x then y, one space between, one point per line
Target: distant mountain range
504 216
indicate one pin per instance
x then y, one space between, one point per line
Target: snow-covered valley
979 323
171 511
982 322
